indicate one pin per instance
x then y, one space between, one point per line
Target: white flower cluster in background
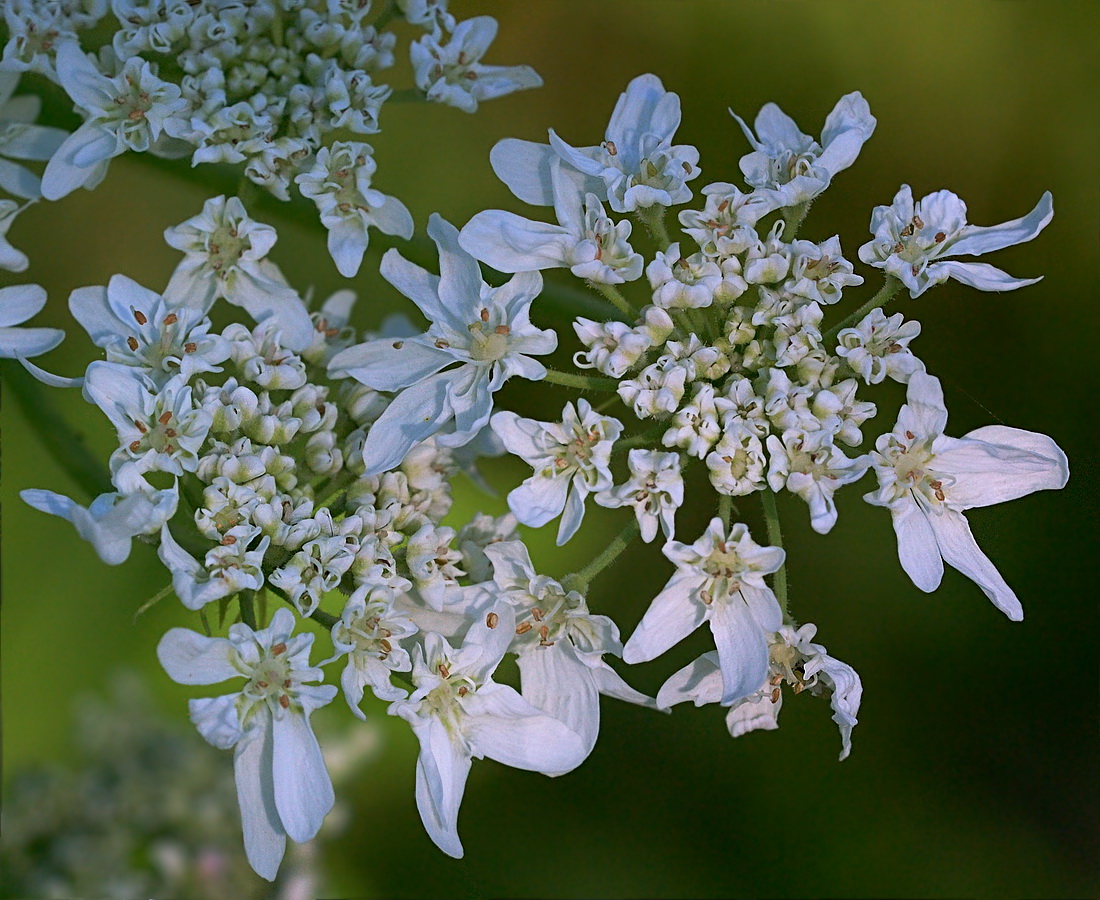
276 87
290 467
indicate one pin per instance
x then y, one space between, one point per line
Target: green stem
725 509
885 294
582 382
793 217
59 439
248 611
616 298
319 616
644 439
152 601
653 218
407 95
580 580
775 539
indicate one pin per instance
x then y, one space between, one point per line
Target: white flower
878 347
819 272
927 480
225 257
282 785
636 165
487 331
130 111
589 243
808 464
431 563
453 74
725 226
912 242
792 659
21 139
657 390
226 569
571 459
11 258
559 645
613 347
369 632
137 328
19 302
655 489
789 167
719 579
737 462
339 183
680 283
459 713
695 426
112 520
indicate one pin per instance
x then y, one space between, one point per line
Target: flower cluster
293 460
275 87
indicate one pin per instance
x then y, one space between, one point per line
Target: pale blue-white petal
917 549
77 162
742 649
977 239
511 243
441 771
276 305
671 617
264 837
19 343
510 730
17 180
978 275
524 167
459 276
644 108
960 550
924 412
49 502
19 302
776 129
555 681
418 284
700 681
191 658
996 464
573 512
217 720
386 364
393 217
48 378
303 789
539 499
759 714
413 415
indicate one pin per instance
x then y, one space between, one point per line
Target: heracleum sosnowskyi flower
286 457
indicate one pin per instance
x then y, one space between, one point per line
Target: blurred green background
974 768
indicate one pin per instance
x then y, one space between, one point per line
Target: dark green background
974 765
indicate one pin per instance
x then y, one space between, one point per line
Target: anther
910 435
228 541
284 701
135 446
775 695
141 426
385 645
463 691
171 319
442 344
165 418
501 329
444 671
611 148
918 221
140 317
523 627
536 614
132 343
170 432
278 648
491 620
484 315
190 347
940 237
799 687
261 684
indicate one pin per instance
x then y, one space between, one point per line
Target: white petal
700 681
742 649
525 167
390 365
671 617
191 658
459 276
217 720
441 772
573 511
917 548
412 416
555 681
20 302
90 143
996 464
511 243
977 239
644 108
754 715
982 276
538 500
303 789
264 838
510 730
960 550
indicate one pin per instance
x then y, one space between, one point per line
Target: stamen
165 418
484 314
140 316
501 329
444 671
523 627
284 701
171 319
132 343
278 648
491 620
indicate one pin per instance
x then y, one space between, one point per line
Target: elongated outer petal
441 771
996 464
79 161
510 730
538 500
924 412
48 378
18 343
671 617
511 243
274 304
754 715
917 548
960 550
644 108
742 649
847 128
700 681
775 128
573 512
264 837
982 276
524 167
49 502
611 684
303 789
555 681
459 275
977 239
217 720
191 658
20 302
390 365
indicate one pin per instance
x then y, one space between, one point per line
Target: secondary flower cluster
286 89
294 461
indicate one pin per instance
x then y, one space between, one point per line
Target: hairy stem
580 580
885 294
582 382
775 539
616 298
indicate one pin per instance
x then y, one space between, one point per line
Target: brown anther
775 695
261 684
940 495
799 687
898 247
501 329
462 58
171 319
544 632
331 332
135 115
536 614
284 701
286 684
165 418
775 679
940 237
523 627
463 691
484 315
141 426
907 230
915 269
491 620
723 206
545 643
132 343
190 347
611 148
385 645
135 446
706 597
397 345
910 435
276 649
140 317
442 344
444 671
228 541
471 75
918 221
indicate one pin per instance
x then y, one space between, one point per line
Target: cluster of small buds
293 459
265 85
